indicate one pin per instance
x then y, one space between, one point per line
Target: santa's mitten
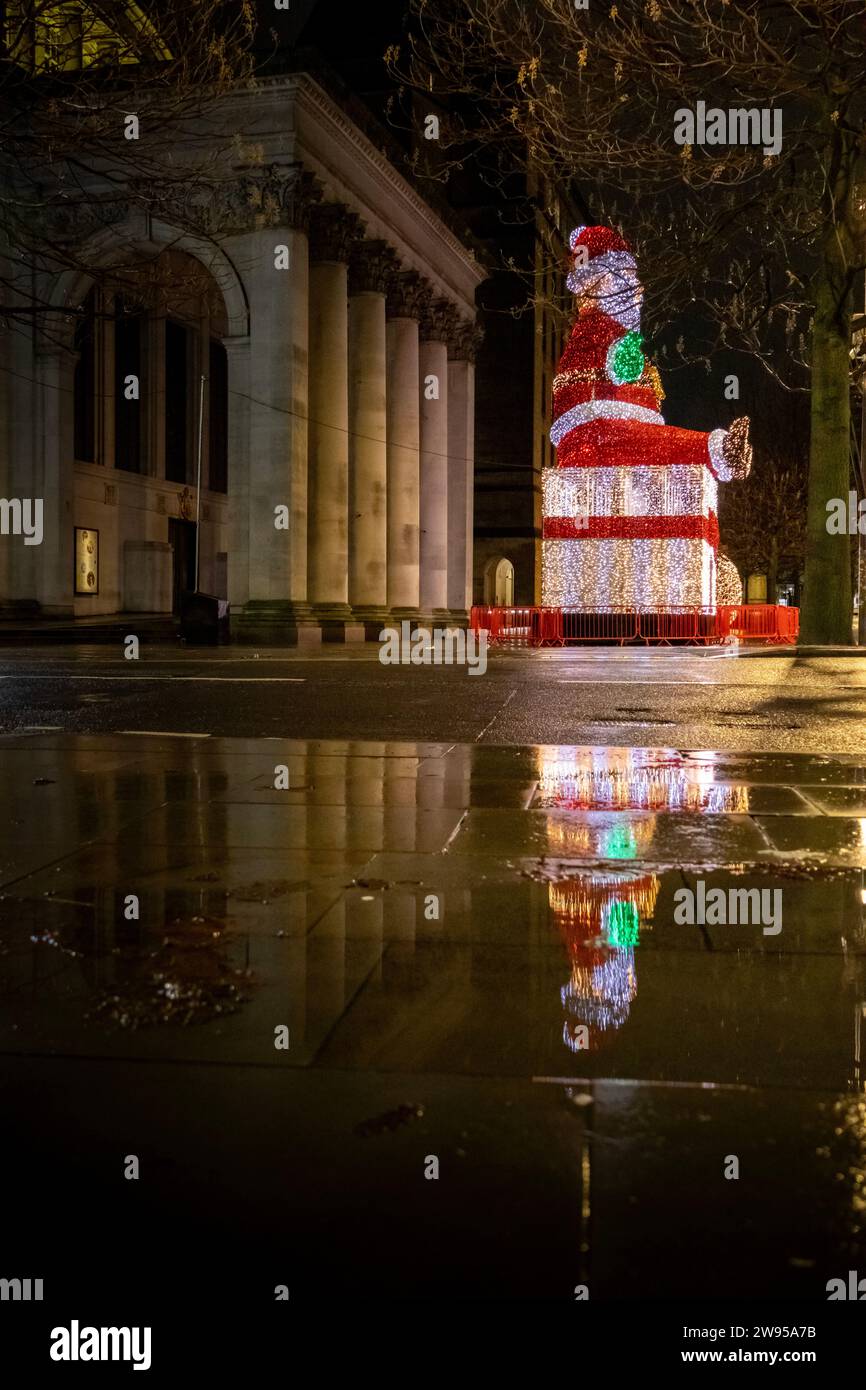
730 451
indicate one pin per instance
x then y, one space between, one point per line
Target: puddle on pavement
584 972
602 917
624 779
186 979
564 962
124 975
599 919
554 966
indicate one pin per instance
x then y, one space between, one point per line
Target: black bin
204 619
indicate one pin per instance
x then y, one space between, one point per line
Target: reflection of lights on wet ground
599 916
850 1128
595 779
570 838
579 903
620 842
621 925
600 996
625 840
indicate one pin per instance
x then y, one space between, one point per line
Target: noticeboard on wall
86 561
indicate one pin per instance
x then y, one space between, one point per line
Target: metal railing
537 626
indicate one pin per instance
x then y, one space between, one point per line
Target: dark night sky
353 39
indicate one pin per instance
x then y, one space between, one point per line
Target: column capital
267 195
405 295
465 340
438 318
333 231
371 266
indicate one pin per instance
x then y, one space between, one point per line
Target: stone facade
342 310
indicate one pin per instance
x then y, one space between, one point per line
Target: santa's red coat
582 379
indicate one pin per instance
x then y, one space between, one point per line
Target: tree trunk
772 569
827 602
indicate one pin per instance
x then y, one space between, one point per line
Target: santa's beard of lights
614 287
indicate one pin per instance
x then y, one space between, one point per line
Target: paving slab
308 1178
582 979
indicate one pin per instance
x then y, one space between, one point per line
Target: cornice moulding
316 132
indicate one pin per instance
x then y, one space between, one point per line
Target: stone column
152 396
268 407
105 378
54 480
404 423
462 347
240 464
37 450
15 404
333 231
436 324
368 528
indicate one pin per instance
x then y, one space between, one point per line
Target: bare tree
763 517
763 520
97 99
760 241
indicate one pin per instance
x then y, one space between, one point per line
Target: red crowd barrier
766 622
557 627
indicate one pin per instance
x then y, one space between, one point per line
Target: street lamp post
861 489
857 354
198 480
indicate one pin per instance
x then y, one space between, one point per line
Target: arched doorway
150 415
499 583
97 370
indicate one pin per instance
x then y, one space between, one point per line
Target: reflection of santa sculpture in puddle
599 916
600 913
630 510
633 779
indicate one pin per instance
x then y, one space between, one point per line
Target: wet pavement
760 700
480 953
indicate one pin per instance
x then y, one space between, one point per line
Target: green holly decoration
626 359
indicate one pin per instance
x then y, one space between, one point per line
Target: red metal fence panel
666 625
546 627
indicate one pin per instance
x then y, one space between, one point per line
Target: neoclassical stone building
331 313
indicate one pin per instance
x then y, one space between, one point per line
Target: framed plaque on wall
86 561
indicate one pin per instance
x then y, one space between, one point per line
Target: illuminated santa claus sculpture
630 510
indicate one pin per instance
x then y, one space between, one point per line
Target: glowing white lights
643 574
690 490
602 410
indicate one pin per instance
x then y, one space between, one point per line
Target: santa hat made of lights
630 510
